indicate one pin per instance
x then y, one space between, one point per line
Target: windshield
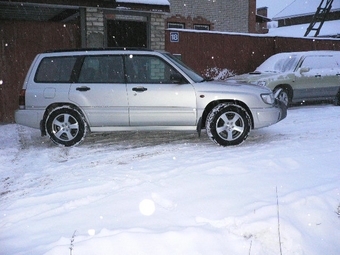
188 71
279 63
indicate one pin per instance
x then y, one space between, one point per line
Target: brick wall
157 32
227 15
94 28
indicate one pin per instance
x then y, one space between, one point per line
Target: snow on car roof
153 2
285 61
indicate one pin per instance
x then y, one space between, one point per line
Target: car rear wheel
228 124
65 126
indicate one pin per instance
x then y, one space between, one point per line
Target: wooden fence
19 44
239 53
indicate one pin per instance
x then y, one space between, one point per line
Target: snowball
147 207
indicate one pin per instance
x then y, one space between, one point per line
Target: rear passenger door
100 90
155 99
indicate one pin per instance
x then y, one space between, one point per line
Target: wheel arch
53 106
212 104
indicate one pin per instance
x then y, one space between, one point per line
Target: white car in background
301 76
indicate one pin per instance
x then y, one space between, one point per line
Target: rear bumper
29 118
265 117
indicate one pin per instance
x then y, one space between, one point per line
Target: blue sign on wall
174 37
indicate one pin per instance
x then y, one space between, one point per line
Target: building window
201 27
175 25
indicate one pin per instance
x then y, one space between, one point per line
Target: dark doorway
122 33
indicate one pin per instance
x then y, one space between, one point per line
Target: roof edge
300 15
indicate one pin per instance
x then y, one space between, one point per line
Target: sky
274 6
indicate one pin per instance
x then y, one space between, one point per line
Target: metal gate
20 41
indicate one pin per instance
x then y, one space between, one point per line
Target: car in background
69 93
301 76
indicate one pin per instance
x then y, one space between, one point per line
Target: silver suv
67 94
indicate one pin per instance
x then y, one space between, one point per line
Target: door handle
139 89
83 88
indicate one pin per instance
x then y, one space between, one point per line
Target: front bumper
265 117
283 109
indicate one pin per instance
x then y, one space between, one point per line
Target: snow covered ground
174 193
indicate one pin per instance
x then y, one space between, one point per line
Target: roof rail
100 49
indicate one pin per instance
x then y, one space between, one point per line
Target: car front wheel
65 126
337 99
228 124
283 96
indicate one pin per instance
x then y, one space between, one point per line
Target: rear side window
320 62
102 69
55 70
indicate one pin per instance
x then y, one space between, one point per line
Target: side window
319 62
148 69
55 70
102 69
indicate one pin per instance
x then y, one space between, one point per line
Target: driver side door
155 98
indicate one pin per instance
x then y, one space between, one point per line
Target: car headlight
268 98
262 83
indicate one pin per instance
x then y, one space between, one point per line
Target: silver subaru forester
67 94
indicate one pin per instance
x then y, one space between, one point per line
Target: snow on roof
303 8
151 2
329 28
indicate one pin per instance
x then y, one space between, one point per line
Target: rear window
55 70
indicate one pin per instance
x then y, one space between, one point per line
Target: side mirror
176 78
304 70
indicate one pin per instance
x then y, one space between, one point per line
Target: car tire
66 126
337 99
228 124
283 96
